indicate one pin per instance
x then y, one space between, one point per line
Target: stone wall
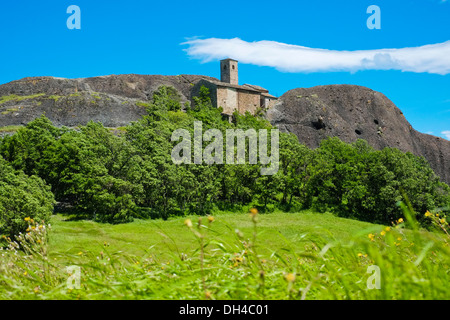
268 102
248 101
227 98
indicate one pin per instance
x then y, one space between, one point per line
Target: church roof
229 85
268 95
257 88
247 87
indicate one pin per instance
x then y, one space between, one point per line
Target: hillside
346 111
114 100
351 112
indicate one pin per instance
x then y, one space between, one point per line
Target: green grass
142 104
95 95
10 110
54 97
10 128
137 236
302 255
17 98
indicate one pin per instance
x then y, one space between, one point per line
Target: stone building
228 94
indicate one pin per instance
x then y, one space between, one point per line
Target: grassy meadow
242 256
139 225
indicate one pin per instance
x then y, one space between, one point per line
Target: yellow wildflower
254 211
387 229
210 219
383 233
442 221
400 220
188 222
27 219
428 214
290 277
371 236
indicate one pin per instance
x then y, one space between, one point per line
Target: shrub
355 181
22 197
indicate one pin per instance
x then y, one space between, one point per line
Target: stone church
228 94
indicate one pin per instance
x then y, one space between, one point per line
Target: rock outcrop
114 100
351 112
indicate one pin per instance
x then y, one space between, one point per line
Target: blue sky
149 37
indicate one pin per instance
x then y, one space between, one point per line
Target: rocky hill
351 112
114 100
348 112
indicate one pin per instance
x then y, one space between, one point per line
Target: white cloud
433 58
446 134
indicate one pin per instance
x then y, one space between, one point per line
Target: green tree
21 197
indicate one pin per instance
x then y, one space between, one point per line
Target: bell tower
229 71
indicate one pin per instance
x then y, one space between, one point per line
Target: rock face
351 112
113 100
